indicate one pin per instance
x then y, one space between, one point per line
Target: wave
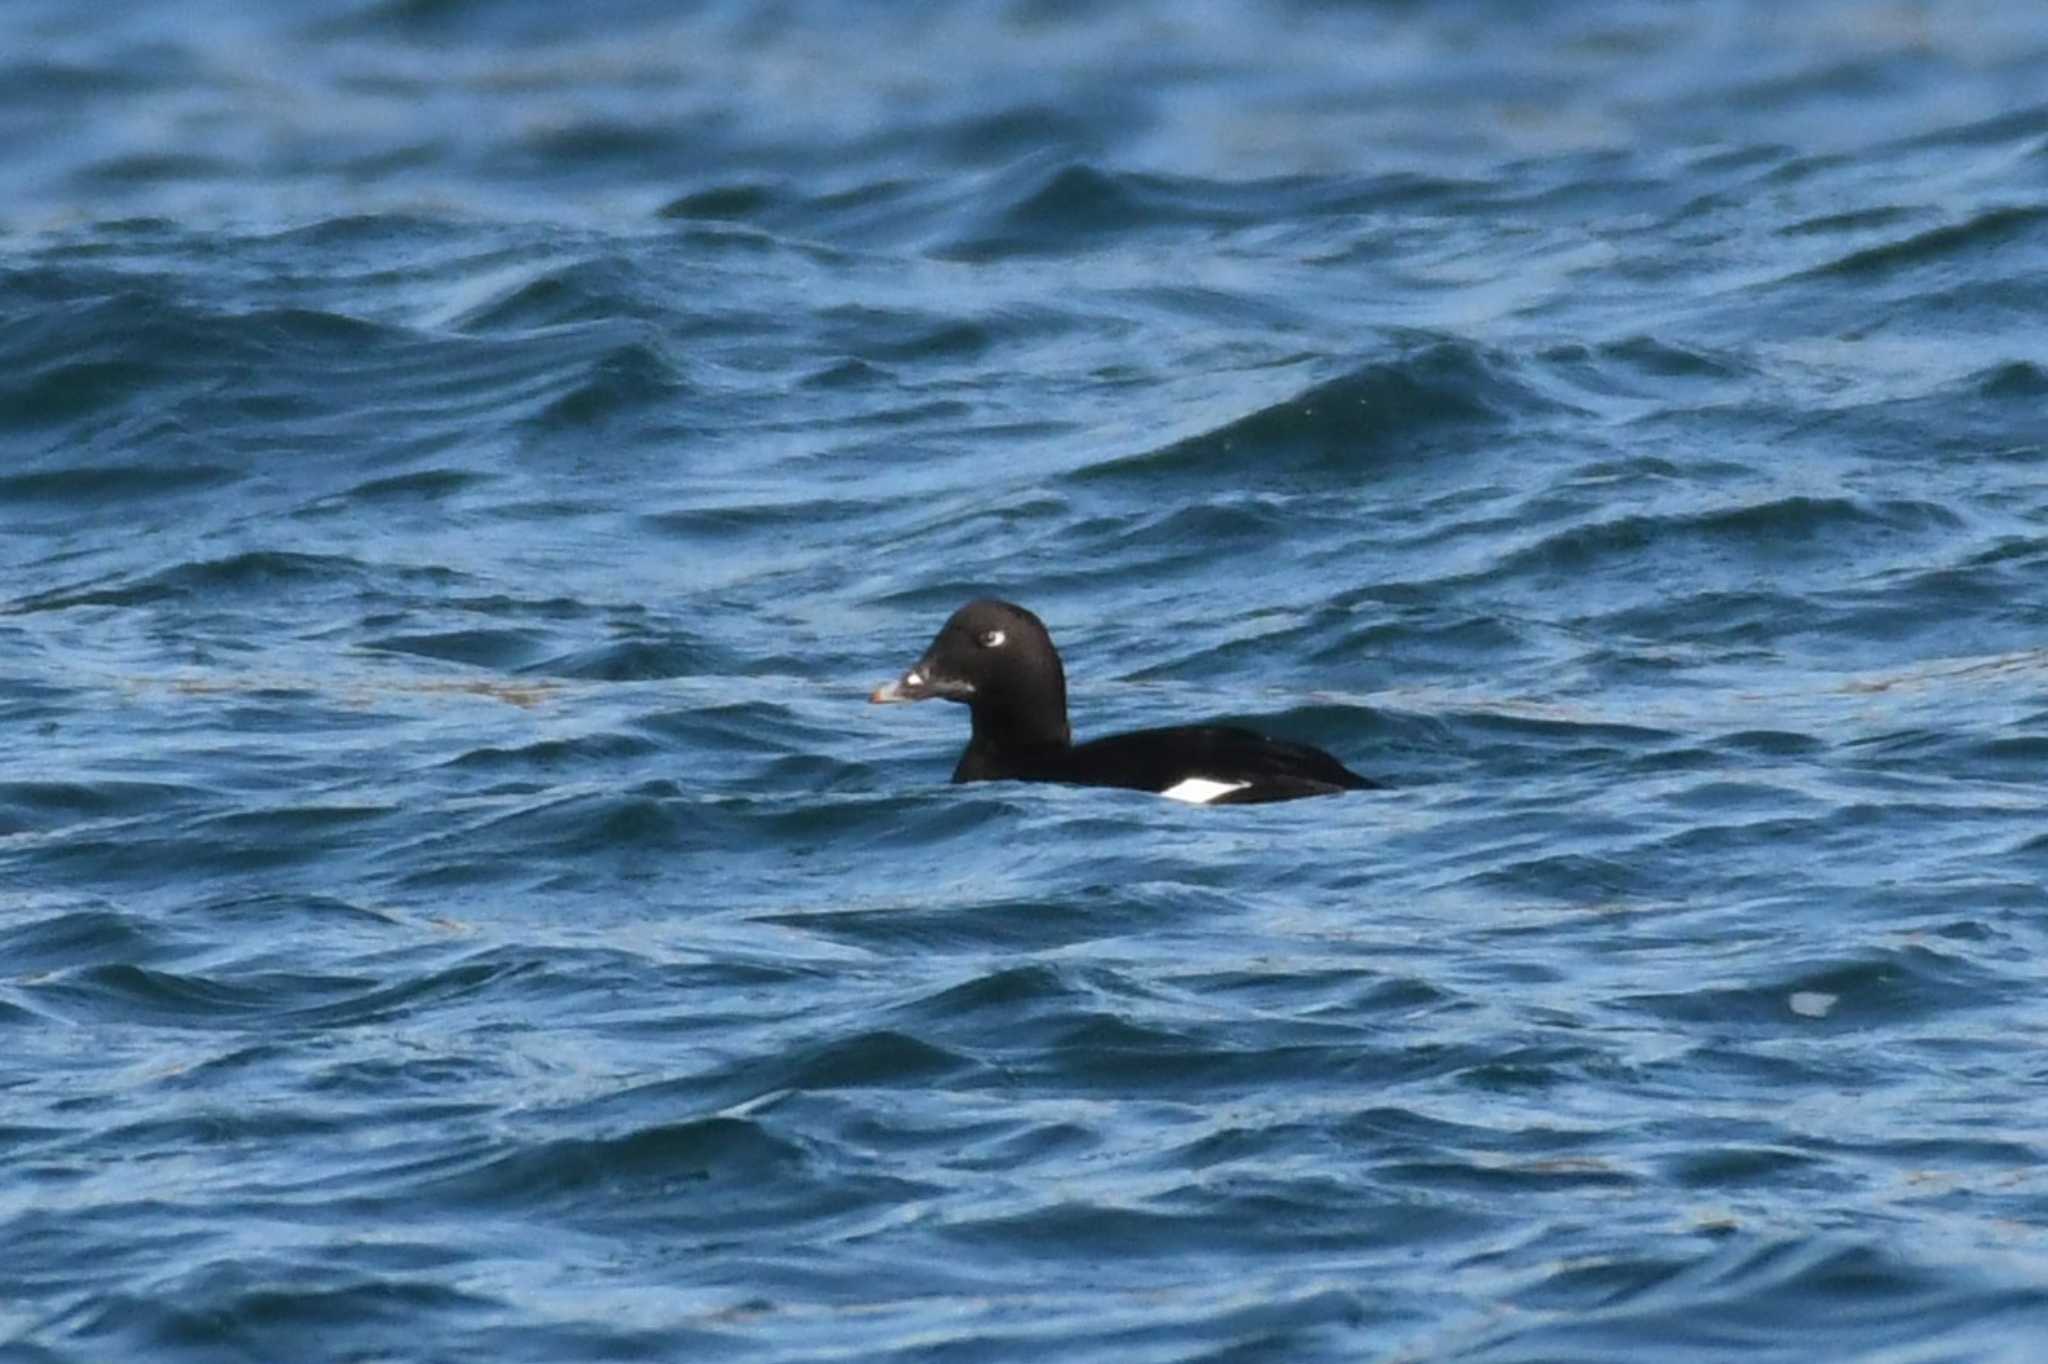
1678 555
1770 1293
1988 232
258 573
1888 988
1438 396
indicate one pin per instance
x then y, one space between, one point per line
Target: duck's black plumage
998 660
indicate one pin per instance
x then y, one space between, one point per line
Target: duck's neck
1009 743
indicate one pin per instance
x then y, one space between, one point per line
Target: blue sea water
462 466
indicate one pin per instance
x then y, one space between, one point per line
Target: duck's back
1210 765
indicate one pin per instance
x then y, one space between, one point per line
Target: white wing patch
1202 790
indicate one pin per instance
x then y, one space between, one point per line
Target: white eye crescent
991 638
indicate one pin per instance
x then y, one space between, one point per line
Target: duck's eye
989 639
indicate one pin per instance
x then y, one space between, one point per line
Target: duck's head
998 659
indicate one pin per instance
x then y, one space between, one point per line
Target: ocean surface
463 466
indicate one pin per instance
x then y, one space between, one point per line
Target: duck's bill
919 685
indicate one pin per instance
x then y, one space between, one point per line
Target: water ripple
456 902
